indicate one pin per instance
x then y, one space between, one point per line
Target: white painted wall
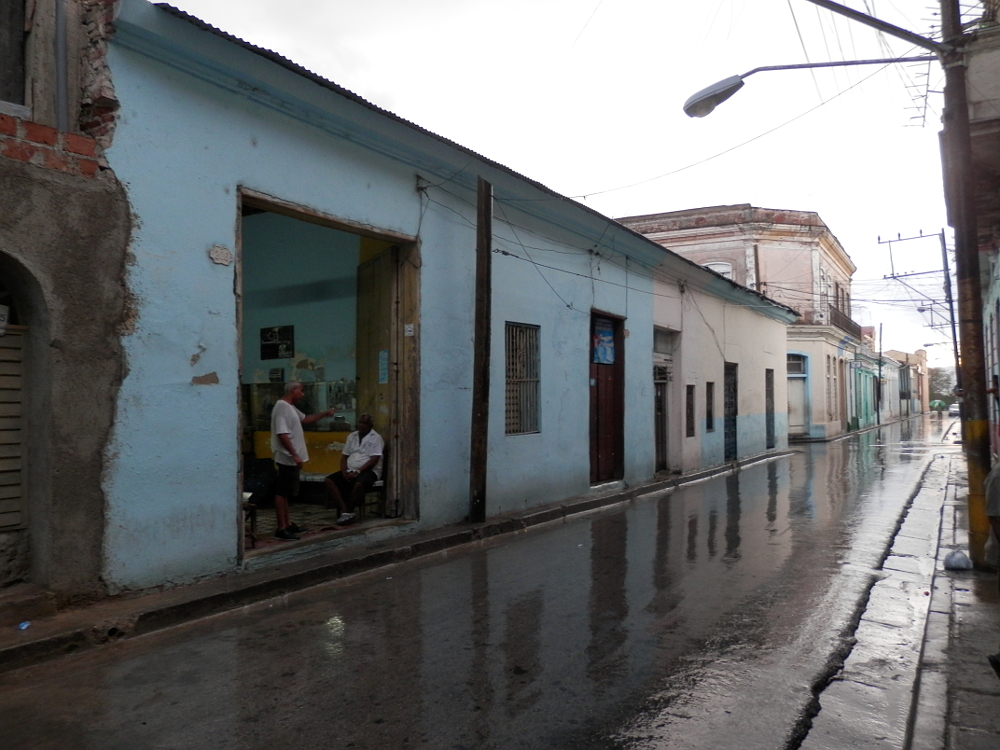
714 331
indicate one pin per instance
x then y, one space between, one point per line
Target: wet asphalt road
700 618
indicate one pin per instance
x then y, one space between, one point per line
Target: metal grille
522 379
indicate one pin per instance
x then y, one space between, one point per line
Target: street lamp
960 200
705 101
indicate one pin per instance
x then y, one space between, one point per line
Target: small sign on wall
277 342
383 367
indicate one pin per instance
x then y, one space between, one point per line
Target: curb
872 699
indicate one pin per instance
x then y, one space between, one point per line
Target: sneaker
295 528
286 534
345 518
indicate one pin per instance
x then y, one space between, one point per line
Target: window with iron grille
689 411
523 369
709 407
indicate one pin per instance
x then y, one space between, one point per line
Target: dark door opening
769 407
731 409
660 415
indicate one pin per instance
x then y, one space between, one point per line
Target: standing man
360 468
288 444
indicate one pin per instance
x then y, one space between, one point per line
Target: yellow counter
325 449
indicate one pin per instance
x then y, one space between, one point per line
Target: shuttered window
11 355
522 379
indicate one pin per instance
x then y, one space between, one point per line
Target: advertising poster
604 342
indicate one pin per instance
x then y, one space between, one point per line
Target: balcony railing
843 321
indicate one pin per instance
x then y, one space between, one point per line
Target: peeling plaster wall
63 242
173 499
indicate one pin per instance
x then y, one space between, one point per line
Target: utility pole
960 200
951 310
878 393
481 354
956 158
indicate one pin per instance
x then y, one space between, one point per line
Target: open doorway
335 308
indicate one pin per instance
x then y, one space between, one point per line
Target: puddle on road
649 626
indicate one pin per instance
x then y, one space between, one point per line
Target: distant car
954 410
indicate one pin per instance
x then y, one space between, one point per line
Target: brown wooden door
607 399
375 355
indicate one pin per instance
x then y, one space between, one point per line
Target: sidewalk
917 677
962 711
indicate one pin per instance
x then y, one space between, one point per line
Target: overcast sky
585 96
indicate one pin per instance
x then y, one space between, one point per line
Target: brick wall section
47 147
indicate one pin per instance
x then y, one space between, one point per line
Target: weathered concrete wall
63 246
15 561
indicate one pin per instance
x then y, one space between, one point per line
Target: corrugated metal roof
304 72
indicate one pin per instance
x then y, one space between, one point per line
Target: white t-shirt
358 451
287 420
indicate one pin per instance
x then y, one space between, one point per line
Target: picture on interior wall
277 342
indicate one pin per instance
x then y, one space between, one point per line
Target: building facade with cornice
793 258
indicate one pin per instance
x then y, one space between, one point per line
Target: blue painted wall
184 145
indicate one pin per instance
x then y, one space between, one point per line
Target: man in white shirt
360 468
288 444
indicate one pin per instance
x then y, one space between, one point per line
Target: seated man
360 468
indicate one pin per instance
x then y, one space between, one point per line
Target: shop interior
316 308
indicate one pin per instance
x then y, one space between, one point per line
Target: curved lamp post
705 101
960 200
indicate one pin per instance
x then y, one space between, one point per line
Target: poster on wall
4 316
604 342
383 367
277 342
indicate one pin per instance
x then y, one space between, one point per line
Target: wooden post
481 355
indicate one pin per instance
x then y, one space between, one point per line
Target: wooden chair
375 497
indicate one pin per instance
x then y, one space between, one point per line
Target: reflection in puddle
542 640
